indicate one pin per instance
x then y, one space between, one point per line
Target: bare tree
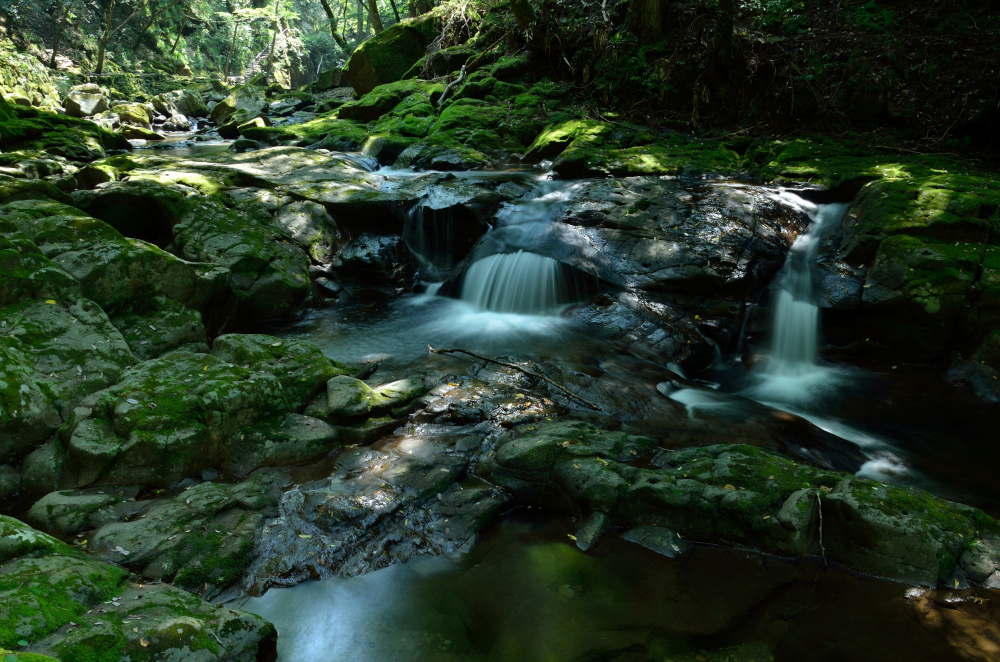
333 25
111 30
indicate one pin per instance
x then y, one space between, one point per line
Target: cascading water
796 315
514 283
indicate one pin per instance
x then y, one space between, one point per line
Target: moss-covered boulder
349 398
78 609
180 102
280 441
112 269
133 114
161 325
312 228
300 367
72 138
55 354
749 497
200 229
72 511
386 57
201 540
386 97
28 274
248 98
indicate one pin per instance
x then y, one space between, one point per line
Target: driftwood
519 369
444 95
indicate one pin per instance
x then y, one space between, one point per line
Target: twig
457 81
946 131
519 369
819 504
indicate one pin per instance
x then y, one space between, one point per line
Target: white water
518 282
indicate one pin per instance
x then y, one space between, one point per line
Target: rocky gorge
255 337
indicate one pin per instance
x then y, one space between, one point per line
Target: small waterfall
514 283
796 316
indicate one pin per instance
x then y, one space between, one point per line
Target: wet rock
54 355
248 98
374 258
659 539
201 540
744 496
280 441
69 606
311 227
28 274
133 114
93 176
347 397
983 380
591 529
163 327
41 470
381 506
140 133
73 511
10 481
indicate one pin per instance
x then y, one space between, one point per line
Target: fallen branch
519 369
822 549
457 81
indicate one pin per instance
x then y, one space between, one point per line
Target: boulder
159 326
10 481
201 540
384 98
133 114
141 133
73 607
280 441
28 274
311 227
249 98
74 511
85 104
177 122
180 102
386 57
55 354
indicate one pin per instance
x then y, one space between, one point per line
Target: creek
525 592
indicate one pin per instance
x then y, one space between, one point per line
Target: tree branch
519 369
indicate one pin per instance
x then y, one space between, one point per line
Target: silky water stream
525 592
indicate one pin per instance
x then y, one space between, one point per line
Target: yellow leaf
302 535
51 302
956 583
519 395
144 643
767 517
571 536
576 466
729 487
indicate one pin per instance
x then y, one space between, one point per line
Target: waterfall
796 316
514 283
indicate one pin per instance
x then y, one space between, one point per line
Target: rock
133 114
347 397
281 441
248 98
167 419
163 326
140 133
328 80
107 120
70 512
177 122
300 367
658 539
201 540
114 270
311 227
52 596
180 102
375 259
10 481
591 529
54 355
202 229
85 104
384 98
93 176
42 469
386 57
744 496
29 275
233 125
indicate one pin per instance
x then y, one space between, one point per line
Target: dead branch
519 369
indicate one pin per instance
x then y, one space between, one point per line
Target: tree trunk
361 21
413 8
232 46
104 38
523 14
394 10
376 20
724 31
180 32
60 25
333 24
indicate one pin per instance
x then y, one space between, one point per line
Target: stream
525 592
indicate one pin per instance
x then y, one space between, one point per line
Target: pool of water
527 593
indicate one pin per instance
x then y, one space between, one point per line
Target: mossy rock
28 274
162 325
386 57
55 354
385 98
201 540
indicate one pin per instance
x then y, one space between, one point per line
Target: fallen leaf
51 302
144 643
519 395
122 551
302 535
571 536
276 344
576 466
767 517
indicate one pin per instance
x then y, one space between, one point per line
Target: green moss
385 98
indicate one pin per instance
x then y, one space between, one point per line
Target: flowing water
525 593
